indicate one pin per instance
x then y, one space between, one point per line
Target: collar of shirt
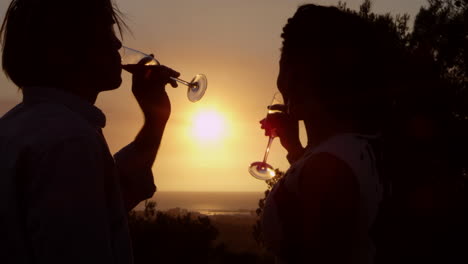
36 94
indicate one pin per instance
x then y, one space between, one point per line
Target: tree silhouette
395 25
177 236
425 153
441 31
160 237
432 195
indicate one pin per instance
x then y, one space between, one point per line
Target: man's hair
34 29
353 60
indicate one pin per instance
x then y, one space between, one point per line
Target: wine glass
196 87
261 169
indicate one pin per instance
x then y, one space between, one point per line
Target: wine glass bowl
133 56
195 88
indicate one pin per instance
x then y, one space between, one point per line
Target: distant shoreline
239 192
207 203
206 212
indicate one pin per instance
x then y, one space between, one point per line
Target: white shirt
355 151
63 198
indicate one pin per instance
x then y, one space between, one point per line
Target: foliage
441 33
163 237
396 25
159 237
441 30
441 36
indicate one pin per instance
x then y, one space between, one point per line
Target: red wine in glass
261 169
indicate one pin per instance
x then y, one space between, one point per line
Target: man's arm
134 162
134 165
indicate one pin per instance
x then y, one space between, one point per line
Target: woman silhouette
334 74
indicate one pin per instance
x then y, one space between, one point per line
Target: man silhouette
63 196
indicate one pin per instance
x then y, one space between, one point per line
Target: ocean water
209 203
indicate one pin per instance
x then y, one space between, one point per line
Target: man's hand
149 90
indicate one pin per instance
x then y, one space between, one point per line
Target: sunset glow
207 145
208 125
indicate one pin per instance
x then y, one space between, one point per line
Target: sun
208 125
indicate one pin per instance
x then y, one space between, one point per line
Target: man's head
61 44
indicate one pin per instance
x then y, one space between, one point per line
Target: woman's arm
330 195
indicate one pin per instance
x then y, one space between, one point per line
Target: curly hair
355 63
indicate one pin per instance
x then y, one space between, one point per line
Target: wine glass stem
267 151
180 81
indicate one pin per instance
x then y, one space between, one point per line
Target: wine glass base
262 171
197 87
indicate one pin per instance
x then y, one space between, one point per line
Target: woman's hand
148 87
286 128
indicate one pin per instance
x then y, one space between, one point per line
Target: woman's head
58 43
336 59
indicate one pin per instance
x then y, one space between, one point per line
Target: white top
355 151
63 197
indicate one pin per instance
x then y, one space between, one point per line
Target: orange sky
236 44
